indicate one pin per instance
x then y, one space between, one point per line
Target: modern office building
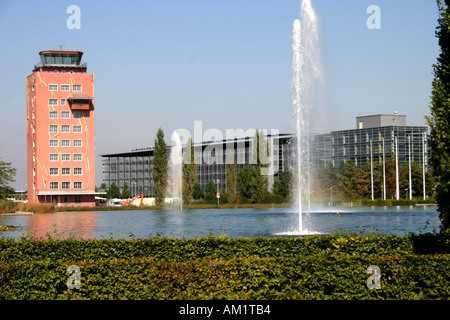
135 168
373 135
60 130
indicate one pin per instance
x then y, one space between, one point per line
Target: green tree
440 115
327 180
417 181
125 191
244 182
231 178
390 177
210 193
364 183
348 180
259 167
160 161
113 191
198 192
189 172
283 185
7 174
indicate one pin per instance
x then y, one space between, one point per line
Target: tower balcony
80 101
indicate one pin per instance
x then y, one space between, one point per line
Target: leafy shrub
7 206
316 267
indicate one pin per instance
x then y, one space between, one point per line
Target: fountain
175 181
306 68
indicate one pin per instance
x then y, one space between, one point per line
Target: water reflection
63 225
233 222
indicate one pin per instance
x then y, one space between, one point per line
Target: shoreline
17 213
228 206
200 206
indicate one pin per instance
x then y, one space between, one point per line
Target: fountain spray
306 69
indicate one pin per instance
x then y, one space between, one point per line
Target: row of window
66 157
77 199
66 143
54 102
54 185
64 87
65 114
65 128
66 171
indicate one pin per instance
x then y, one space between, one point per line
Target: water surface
232 222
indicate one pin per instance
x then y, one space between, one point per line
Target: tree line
250 184
348 182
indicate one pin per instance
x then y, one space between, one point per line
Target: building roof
79 96
148 151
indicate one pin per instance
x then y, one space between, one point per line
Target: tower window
54 185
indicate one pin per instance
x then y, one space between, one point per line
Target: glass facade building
374 134
360 144
135 168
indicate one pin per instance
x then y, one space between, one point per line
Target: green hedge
209 247
318 267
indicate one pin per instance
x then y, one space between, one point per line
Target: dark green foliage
113 191
198 192
348 182
210 193
7 174
317 267
125 192
283 185
439 120
160 160
231 179
259 167
244 185
189 172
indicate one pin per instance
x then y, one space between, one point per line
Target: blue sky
225 63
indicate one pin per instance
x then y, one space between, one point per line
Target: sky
226 63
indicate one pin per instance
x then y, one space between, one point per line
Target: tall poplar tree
439 120
189 174
231 178
160 162
259 167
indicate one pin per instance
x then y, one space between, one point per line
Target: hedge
209 247
317 267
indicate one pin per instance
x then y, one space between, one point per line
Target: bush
274 198
7 206
316 267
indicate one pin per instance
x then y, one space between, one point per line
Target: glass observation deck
58 58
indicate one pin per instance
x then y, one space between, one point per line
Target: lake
232 222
